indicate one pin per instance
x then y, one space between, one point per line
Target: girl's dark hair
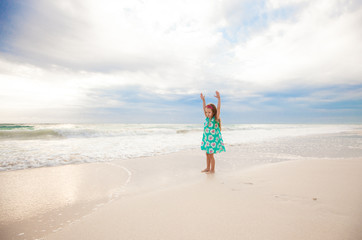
214 113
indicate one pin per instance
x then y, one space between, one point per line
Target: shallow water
40 145
56 197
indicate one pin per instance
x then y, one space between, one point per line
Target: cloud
112 35
272 42
86 54
318 46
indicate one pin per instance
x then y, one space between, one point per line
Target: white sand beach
107 110
309 199
166 197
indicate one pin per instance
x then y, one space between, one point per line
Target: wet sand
308 198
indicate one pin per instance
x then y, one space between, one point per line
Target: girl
211 140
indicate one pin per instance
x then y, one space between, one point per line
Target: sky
110 61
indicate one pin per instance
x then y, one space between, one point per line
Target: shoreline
75 144
311 199
49 202
321 196
36 201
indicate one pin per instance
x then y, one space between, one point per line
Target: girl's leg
207 163
212 163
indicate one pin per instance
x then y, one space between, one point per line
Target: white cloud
117 35
66 54
176 44
318 48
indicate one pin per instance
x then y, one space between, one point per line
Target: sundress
212 139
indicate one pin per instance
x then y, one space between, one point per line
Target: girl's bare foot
211 171
205 170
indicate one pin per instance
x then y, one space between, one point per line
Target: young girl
212 141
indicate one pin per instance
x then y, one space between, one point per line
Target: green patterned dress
212 139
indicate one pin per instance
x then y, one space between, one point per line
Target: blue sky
147 61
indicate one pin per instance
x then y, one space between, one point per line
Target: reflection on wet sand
33 192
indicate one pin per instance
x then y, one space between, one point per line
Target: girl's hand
202 97
217 95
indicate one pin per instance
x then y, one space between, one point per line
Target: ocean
43 145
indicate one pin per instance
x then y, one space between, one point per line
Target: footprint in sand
238 189
248 183
293 198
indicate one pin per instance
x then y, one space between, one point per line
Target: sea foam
40 145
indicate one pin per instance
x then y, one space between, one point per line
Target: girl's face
208 112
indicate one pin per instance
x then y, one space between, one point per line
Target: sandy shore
310 198
34 202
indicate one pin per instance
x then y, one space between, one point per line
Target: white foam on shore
41 145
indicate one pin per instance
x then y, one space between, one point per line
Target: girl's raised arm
203 103
218 104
